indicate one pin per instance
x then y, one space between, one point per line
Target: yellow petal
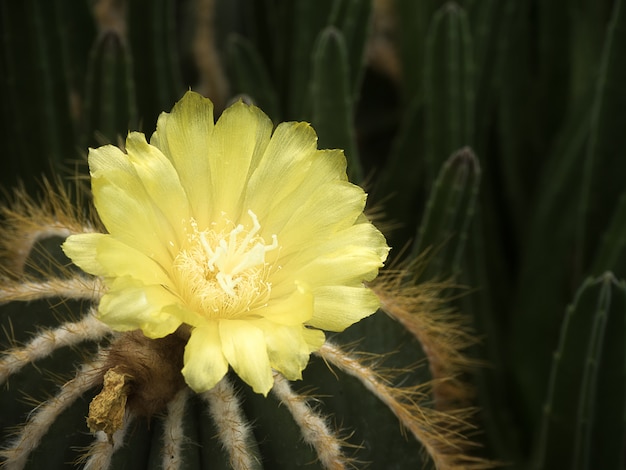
205 364
129 306
186 315
244 346
285 163
109 158
349 257
82 250
338 307
239 140
288 348
349 266
183 136
292 309
118 259
103 255
278 202
124 206
362 234
328 209
314 338
160 180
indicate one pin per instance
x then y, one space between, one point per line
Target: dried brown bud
106 410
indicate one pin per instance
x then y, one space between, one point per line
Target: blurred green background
491 132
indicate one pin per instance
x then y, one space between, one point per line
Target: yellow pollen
225 274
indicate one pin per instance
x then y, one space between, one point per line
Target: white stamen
231 256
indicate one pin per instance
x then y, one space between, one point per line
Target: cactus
487 134
572 423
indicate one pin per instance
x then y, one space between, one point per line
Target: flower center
225 274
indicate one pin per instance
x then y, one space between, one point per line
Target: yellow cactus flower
253 239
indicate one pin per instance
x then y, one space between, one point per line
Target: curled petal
129 305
